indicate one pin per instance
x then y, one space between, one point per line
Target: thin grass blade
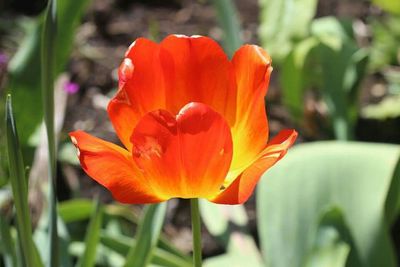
147 235
229 22
92 238
19 190
122 244
48 70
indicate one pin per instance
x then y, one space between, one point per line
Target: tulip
192 123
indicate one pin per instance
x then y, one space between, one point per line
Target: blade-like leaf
122 245
48 50
343 67
80 209
19 189
147 235
229 22
75 210
217 217
352 176
25 80
392 203
41 237
332 241
388 5
92 238
293 78
283 23
241 251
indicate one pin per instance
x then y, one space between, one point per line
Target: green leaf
217 217
92 238
165 244
75 210
19 189
332 241
67 154
353 177
390 6
392 203
122 244
387 108
48 54
343 66
104 256
385 42
333 254
80 209
241 251
283 23
41 236
229 22
24 80
147 235
294 76
331 32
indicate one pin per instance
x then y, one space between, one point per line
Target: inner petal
187 155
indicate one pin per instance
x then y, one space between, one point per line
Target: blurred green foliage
388 5
229 22
322 55
24 68
344 186
329 61
283 24
385 42
325 204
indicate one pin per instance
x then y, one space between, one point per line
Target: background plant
329 203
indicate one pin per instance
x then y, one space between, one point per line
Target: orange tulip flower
193 124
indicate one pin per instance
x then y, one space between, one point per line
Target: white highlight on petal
181 36
129 48
74 141
259 50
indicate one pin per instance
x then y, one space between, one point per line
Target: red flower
193 124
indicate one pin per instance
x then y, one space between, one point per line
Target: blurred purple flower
71 87
3 66
3 60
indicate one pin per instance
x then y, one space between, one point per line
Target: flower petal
186 156
167 76
113 167
142 76
201 73
252 68
242 187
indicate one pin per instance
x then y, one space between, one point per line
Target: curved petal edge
243 186
112 167
187 155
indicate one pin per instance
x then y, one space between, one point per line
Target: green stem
196 230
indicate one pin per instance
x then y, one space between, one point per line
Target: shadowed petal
201 72
242 187
143 76
185 156
113 167
169 75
